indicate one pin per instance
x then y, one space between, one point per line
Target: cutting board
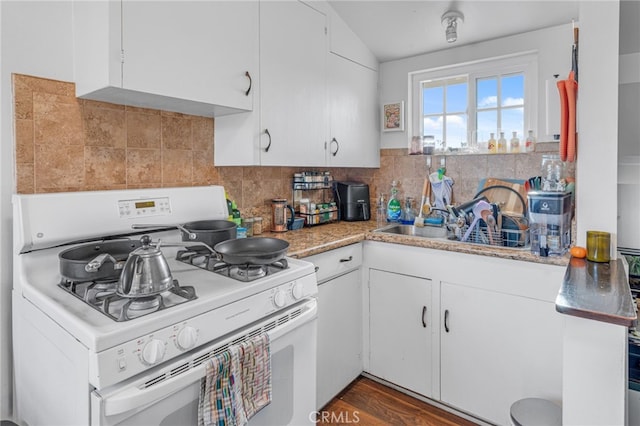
508 200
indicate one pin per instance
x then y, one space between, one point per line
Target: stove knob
187 338
153 352
296 291
279 299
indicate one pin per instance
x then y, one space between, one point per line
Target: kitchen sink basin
415 231
441 233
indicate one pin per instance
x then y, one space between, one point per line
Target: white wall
554 57
603 345
596 170
35 39
629 126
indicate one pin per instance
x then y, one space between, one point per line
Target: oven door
174 401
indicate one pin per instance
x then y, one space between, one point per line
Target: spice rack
323 209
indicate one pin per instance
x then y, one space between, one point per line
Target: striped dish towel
255 360
237 384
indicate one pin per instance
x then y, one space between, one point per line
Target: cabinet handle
269 145
346 259
250 83
446 320
317 268
337 146
424 314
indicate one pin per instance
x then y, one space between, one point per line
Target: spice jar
248 225
257 225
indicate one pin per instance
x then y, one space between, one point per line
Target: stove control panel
146 352
187 338
153 352
287 294
144 207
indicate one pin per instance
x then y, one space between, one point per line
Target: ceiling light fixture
450 21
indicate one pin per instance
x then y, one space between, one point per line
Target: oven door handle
133 397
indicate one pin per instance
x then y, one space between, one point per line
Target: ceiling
394 29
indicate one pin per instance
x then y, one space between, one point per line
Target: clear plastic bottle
394 210
552 173
502 143
381 211
530 143
409 213
553 239
514 144
491 144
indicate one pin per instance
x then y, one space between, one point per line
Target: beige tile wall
68 144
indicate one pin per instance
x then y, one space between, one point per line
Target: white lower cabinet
339 353
400 330
339 335
497 348
491 334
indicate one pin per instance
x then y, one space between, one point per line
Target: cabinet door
354 136
197 51
400 330
339 335
497 348
293 97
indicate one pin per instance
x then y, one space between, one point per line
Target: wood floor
369 403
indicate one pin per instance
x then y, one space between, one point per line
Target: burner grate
102 296
204 259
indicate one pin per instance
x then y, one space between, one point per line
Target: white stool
535 412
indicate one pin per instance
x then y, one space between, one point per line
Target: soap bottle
502 143
515 143
491 144
394 211
530 143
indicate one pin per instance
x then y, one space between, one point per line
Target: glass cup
598 246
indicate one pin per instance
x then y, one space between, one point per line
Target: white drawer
336 262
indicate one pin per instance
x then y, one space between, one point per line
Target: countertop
317 239
590 290
597 291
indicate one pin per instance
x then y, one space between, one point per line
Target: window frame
524 62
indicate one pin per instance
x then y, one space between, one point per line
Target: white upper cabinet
309 101
191 57
293 96
344 42
354 138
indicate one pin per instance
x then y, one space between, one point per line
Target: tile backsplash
68 144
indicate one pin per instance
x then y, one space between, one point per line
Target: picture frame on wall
393 117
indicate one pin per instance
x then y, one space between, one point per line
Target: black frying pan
256 250
107 259
210 232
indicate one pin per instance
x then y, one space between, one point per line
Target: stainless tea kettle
146 272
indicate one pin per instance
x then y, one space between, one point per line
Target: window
444 111
458 107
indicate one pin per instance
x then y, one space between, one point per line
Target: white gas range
135 371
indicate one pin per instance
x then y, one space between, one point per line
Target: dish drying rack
481 234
